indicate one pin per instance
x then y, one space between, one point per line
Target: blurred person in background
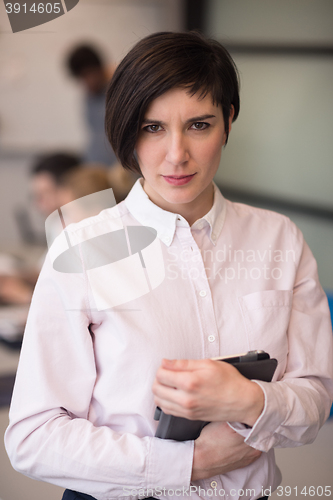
87 179
94 177
47 176
16 286
78 185
86 65
121 181
58 179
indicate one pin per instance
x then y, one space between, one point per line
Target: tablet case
182 429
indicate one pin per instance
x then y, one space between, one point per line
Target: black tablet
256 365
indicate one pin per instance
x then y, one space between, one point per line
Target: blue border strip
330 303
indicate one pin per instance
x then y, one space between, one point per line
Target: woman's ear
231 117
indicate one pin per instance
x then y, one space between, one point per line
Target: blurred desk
13 262
9 357
8 360
13 485
26 256
19 268
12 323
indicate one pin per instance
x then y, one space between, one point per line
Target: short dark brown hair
156 64
56 164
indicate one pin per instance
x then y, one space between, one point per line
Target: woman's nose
177 149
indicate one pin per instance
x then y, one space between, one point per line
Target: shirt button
211 338
166 239
202 293
213 484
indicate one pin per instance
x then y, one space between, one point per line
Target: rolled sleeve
52 435
297 405
170 464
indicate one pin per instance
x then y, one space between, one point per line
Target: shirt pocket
266 318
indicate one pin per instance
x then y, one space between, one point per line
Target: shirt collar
165 223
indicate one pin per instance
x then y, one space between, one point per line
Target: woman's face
179 149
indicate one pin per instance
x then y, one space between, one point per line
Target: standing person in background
86 65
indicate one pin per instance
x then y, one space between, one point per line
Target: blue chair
330 303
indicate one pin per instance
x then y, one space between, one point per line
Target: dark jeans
74 495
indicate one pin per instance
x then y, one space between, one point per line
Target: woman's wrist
255 402
197 472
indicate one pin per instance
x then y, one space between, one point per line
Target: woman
208 278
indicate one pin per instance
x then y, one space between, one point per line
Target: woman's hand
218 450
207 390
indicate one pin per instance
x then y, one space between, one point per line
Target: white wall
39 102
308 21
281 144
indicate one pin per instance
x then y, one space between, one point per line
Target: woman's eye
200 125
152 128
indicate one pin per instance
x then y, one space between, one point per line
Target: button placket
197 275
216 485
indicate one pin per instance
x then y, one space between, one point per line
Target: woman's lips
178 180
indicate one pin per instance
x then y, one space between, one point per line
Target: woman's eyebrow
200 118
146 121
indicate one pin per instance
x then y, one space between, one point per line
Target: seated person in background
46 186
78 186
47 180
86 65
56 180
93 177
84 181
87 179
121 181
